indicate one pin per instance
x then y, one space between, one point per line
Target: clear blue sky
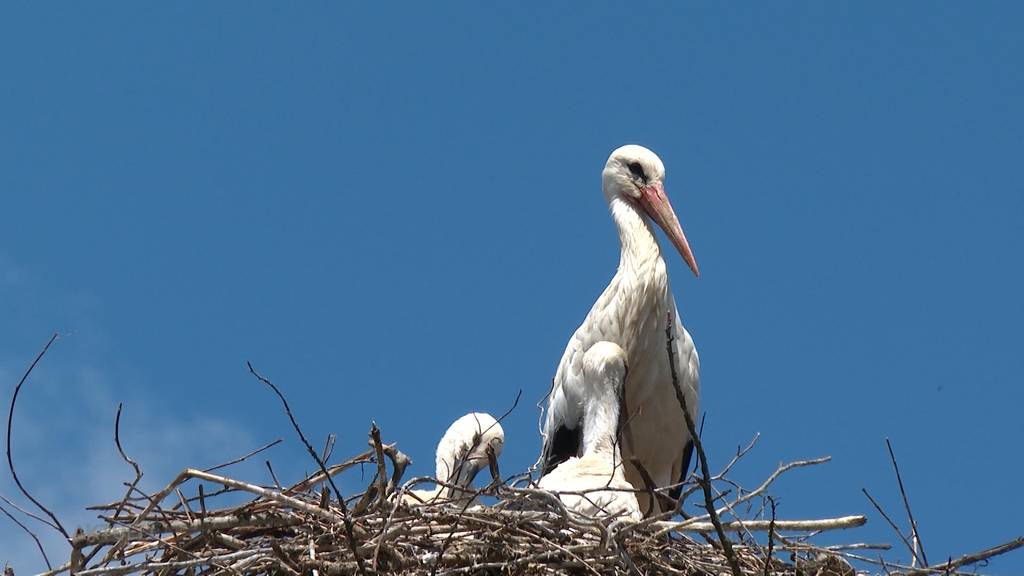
395 213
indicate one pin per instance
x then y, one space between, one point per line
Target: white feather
461 453
633 313
593 483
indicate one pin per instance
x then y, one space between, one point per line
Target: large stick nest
305 528
207 523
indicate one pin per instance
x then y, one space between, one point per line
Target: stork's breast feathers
606 491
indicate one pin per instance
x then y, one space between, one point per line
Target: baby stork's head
462 451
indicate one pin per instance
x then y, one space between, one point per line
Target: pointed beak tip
693 268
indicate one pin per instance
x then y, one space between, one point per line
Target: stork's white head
462 451
636 175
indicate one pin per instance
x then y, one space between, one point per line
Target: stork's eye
637 170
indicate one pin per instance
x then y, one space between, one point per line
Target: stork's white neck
638 296
601 417
640 248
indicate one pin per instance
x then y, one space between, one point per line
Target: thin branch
309 447
451 533
399 462
120 450
215 523
10 421
132 463
334 470
895 528
655 498
26 512
776 526
54 571
705 479
202 501
328 448
243 458
509 411
782 469
906 504
273 476
159 567
969 559
382 471
771 538
30 533
740 453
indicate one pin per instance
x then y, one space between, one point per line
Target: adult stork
593 483
461 454
633 312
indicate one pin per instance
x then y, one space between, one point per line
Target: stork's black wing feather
684 471
565 443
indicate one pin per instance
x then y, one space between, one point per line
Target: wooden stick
918 550
705 479
10 461
112 535
840 523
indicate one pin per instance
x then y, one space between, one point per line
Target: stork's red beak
656 203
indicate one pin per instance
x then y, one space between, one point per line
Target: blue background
395 213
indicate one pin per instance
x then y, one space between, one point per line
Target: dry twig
918 545
705 479
309 447
30 533
10 461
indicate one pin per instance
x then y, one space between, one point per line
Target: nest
311 528
307 528
205 522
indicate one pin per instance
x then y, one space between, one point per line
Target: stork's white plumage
461 454
633 312
595 479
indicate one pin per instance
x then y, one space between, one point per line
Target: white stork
461 454
595 481
633 312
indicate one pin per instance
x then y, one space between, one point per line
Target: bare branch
771 538
776 526
30 533
120 450
243 458
910 547
918 545
328 448
31 515
132 463
968 559
378 448
309 447
10 422
705 479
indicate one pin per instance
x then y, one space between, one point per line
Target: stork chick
596 477
461 454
